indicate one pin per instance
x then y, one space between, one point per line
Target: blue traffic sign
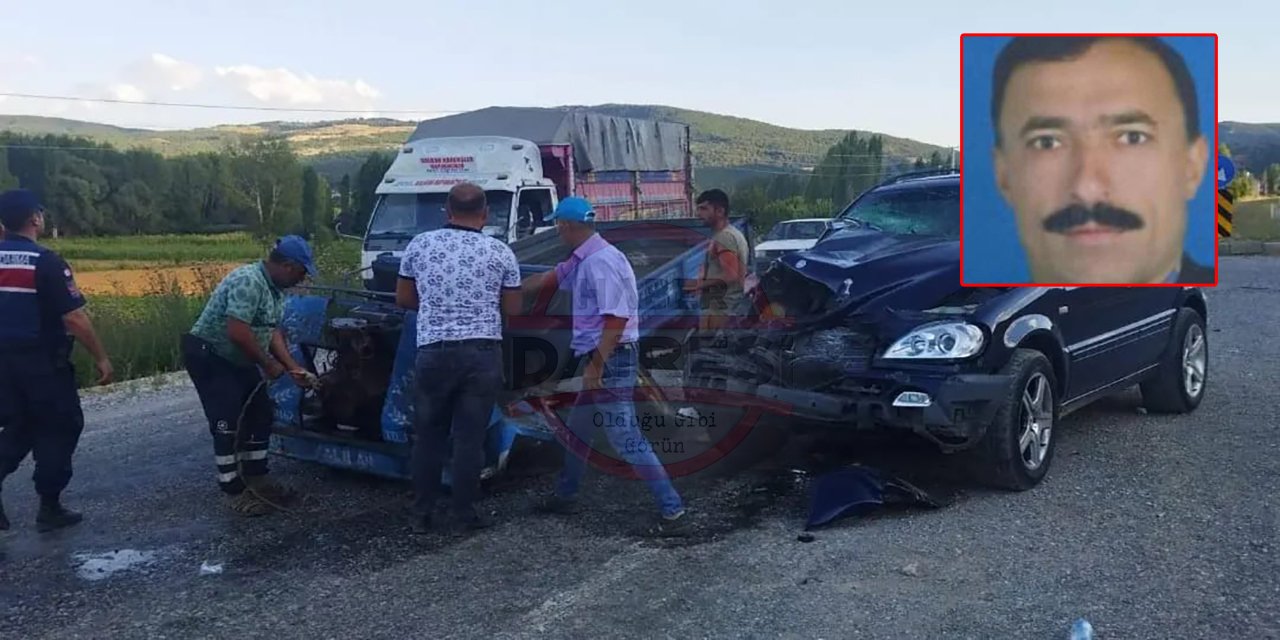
1226 171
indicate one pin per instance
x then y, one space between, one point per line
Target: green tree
849 167
7 180
1273 179
267 178
364 191
344 194
1243 185
311 198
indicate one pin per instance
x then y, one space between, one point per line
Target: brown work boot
249 505
269 490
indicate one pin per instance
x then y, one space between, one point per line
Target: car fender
1038 331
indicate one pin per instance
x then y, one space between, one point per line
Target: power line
192 105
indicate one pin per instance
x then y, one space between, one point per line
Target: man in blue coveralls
606 323
41 312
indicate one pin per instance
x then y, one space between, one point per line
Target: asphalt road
1148 526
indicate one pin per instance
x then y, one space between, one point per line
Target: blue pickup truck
354 340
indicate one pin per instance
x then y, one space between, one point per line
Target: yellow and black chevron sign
1226 205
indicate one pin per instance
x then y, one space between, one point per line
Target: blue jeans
612 408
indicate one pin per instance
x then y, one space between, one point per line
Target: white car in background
790 235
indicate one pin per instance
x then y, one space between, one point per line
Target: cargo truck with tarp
527 160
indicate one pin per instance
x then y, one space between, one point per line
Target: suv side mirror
835 224
337 228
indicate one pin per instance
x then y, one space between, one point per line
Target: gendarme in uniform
40 310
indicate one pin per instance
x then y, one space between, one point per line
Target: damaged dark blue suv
870 329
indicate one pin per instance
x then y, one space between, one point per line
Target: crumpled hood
874 271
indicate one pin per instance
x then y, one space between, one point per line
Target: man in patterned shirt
461 283
235 341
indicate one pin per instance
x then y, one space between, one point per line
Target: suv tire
1017 449
1179 383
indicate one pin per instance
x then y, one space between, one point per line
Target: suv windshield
412 213
922 211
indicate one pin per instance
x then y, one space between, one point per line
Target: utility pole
953 157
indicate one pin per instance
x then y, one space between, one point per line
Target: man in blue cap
41 314
233 344
606 322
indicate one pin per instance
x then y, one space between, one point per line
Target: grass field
177 249
145 292
1253 220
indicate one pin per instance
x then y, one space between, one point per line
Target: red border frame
1214 150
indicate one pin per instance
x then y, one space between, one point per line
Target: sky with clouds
888 67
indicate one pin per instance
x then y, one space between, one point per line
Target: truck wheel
1180 381
1017 449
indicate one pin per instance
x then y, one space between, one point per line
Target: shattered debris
858 490
94 567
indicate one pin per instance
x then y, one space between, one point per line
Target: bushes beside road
141 332
1253 221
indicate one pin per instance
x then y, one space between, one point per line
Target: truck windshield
921 211
412 213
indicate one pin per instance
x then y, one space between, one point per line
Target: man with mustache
1098 150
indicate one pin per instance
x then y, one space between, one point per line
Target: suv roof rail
912 175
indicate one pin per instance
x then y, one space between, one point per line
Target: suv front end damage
864 339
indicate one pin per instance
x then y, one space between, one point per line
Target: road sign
1226 171
1226 207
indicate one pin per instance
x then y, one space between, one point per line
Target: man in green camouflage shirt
233 344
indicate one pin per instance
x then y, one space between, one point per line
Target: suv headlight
944 340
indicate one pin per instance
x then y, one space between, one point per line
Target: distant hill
1253 146
726 148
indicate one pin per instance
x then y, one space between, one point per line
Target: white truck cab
412 195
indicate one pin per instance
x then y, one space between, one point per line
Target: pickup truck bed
662 253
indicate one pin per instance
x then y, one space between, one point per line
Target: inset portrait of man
1098 150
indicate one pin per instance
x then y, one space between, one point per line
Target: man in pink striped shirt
606 336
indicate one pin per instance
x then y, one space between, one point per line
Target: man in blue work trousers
41 313
234 342
606 322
